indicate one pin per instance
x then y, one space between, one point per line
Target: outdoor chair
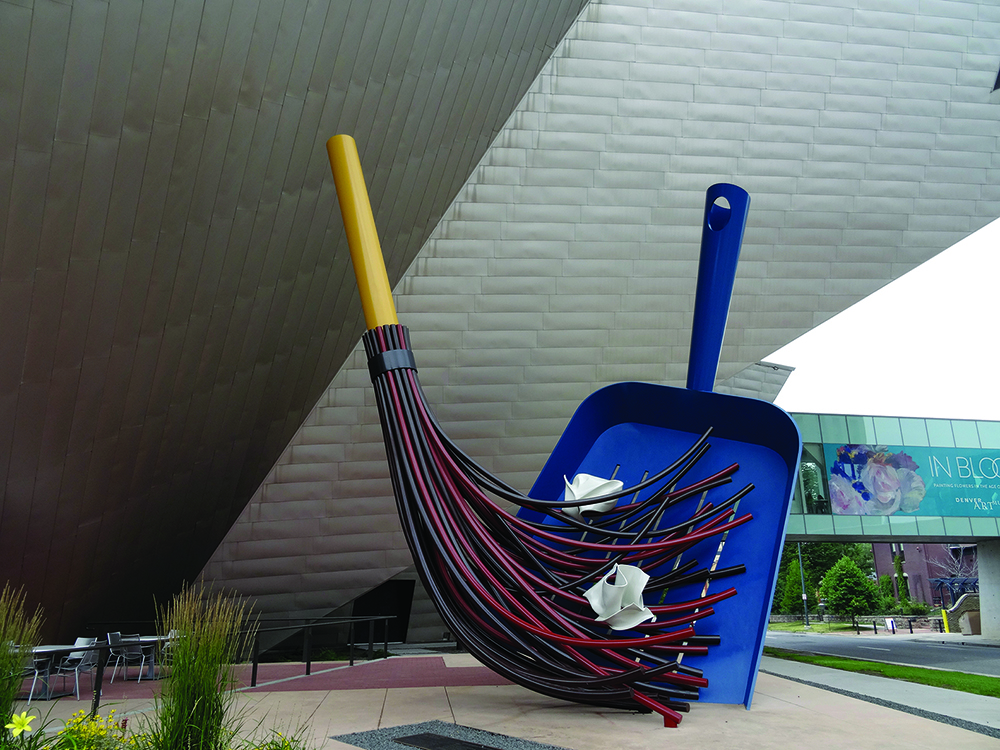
125 650
33 668
79 661
116 651
168 648
136 653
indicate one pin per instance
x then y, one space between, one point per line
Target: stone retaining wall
919 621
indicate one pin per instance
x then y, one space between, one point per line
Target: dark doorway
393 597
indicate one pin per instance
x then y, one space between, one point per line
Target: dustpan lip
782 432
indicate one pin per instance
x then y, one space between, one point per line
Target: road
899 649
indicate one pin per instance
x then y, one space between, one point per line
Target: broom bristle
511 589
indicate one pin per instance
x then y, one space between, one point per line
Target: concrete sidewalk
975 712
788 711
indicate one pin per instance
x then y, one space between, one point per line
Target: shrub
196 702
887 605
19 633
86 732
915 608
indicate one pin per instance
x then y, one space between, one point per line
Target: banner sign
880 480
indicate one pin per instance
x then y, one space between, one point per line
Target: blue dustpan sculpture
632 430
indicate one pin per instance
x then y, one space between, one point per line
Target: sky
926 345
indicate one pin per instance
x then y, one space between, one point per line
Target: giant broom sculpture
558 597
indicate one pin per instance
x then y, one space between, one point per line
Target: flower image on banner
868 480
880 480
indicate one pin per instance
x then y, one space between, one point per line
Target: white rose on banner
871 480
617 598
587 485
913 488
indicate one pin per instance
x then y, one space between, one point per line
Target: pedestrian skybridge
895 479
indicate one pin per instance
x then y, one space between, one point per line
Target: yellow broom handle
366 253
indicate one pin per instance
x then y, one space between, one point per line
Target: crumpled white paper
587 485
619 605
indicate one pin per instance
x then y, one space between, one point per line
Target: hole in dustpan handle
721 239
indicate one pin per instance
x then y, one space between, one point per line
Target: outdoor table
45 658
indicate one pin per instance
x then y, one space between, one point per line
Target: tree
847 590
817 558
791 593
956 562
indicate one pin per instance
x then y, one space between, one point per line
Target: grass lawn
966 683
815 627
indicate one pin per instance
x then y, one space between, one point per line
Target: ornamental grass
195 710
19 634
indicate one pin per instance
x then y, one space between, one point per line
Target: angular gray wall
173 299
865 132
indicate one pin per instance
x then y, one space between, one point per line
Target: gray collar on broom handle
721 238
362 238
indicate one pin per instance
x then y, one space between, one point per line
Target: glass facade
897 477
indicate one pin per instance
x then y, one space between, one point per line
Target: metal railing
307 630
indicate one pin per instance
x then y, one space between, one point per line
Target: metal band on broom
513 590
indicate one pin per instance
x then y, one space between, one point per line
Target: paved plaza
789 709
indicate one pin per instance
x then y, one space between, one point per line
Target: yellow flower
20 723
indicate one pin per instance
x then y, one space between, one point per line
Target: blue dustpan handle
721 238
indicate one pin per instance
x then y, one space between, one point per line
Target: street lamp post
802 578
